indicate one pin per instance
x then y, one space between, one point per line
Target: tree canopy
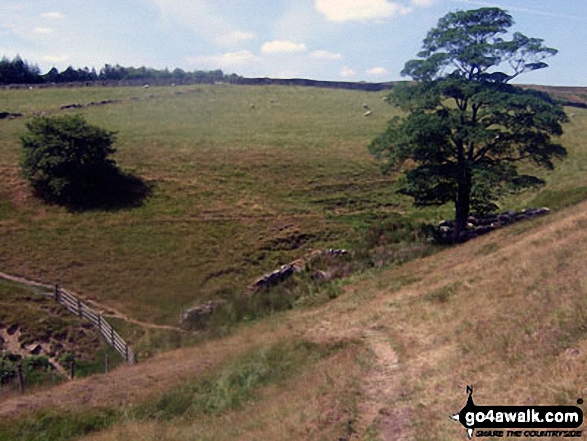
17 71
65 158
466 129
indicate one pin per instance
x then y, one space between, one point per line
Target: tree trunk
462 204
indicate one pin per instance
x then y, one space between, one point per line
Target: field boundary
83 311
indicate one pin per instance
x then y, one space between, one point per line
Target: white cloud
41 30
56 59
359 10
198 15
347 72
424 3
377 71
229 59
52 14
235 38
282 46
288 74
325 55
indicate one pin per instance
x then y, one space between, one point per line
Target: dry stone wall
479 225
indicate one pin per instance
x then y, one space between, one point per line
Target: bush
7 370
66 159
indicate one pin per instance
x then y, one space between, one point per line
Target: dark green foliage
56 426
471 43
66 160
66 359
467 129
7 369
36 370
17 71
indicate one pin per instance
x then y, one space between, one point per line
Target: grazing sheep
365 106
252 106
367 113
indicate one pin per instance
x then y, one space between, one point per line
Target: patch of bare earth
11 344
379 416
381 388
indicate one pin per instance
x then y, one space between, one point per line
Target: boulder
13 328
322 275
195 316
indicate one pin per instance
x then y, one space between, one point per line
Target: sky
342 40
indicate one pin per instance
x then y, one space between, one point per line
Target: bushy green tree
66 159
467 129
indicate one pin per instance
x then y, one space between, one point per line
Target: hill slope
237 191
389 359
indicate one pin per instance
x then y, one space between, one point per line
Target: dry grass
317 405
505 313
513 324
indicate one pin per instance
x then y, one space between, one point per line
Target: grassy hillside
389 359
29 319
244 179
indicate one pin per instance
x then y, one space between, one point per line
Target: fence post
72 369
100 323
57 293
20 379
126 352
112 336
79 308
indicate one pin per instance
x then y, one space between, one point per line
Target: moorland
244 179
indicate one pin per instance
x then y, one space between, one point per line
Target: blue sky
354 40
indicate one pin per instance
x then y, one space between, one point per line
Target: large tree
466 129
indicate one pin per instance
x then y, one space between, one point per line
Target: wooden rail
83 311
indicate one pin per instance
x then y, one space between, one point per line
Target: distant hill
568 96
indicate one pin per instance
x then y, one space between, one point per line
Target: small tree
66 159
467 129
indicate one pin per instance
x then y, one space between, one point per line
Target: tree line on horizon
19 71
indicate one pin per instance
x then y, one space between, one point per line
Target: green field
243 180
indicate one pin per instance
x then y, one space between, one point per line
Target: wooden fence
83 311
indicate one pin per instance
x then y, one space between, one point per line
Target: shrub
7 370
66 159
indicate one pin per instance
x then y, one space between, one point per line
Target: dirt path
380 389
379 417
106 311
